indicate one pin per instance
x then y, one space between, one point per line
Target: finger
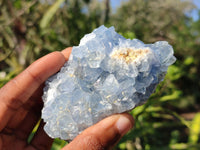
103 135
66 52
16 92
23 86
28 110
25 127
41 140
35 99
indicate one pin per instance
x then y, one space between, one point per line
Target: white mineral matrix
105 74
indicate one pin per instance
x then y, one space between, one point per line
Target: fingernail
123 124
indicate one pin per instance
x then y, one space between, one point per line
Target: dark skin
20 110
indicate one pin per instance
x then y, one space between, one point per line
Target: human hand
20 110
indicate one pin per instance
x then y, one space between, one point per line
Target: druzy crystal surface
105 74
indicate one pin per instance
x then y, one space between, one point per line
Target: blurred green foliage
30 29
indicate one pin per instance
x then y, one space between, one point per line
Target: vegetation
170 119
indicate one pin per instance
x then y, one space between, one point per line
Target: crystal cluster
105 74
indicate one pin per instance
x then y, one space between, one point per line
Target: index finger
16 92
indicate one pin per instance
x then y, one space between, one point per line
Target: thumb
103 135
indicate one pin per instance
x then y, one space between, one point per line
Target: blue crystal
105 74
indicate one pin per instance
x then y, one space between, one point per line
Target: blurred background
170 119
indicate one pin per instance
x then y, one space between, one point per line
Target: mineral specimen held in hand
105 74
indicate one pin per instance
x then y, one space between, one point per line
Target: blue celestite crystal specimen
105 74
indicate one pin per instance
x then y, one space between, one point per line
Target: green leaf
195 129
174 72
175 95
128 35
8 39
50 13
185 146
58 144
189 60
182 120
